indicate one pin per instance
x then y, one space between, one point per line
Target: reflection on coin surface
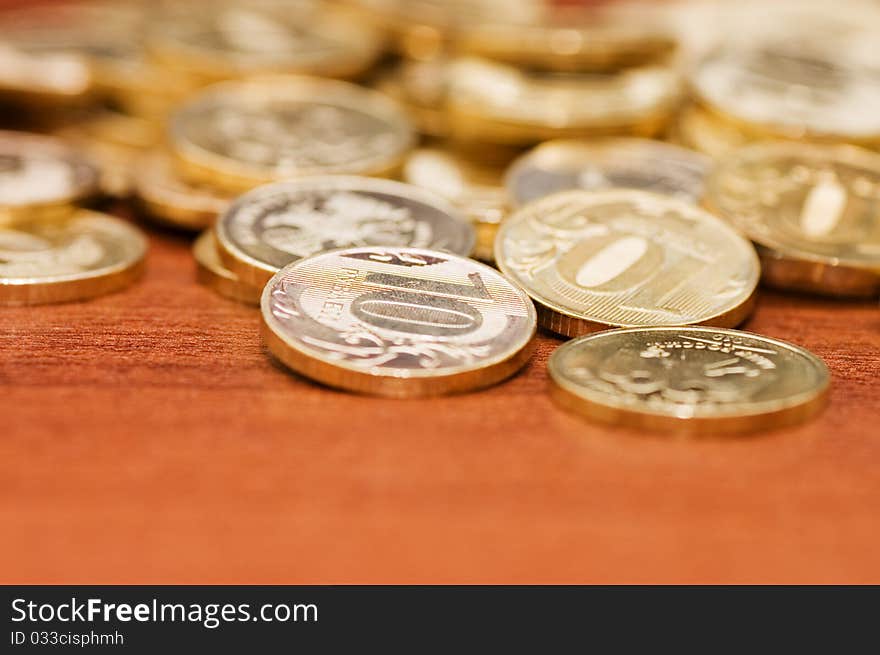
627 258
241 134
86 255
705 132
814 203
213 274
234 38
397 321
689 379
39 173
792 92
607 163
171 199
280 223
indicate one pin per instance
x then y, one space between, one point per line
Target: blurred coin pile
618 162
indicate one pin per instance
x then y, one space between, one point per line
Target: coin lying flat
85 255
792 92
816 206
500 104
627 258
242 134
172 200
690 379
236 38
211 272
40 176
397 322
607 163
475 189
280 223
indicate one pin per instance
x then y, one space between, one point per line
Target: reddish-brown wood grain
147 438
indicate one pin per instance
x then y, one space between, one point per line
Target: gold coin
41 176
688 379
242 134
498 103
211 272
475 189
172 200
814 204
703 131
277 224
226 40
420 87
796 92
397 322
623 258
607 163
86 255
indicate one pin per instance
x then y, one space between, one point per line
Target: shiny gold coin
41 176
501 104
172 200
777 89
397 322
641 164
814 204
230 39
703 131
211 272
277 224
242 134
474 189
688 379
592 259
86 255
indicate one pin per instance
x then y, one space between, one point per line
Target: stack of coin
51 250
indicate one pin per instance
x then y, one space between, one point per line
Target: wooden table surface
147 438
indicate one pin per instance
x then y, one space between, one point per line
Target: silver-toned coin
628 163
397 321
277 224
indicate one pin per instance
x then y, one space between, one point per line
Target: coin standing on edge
277 224
41 176
86 255
642 164
398 322
812 208
688 379
173 201
624 258
211 272
245 133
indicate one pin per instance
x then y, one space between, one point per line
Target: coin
703 131
280 223
498 103
231 39
86 255
688 379
421 88
607 163
172 200
785 91
40 176
627 258
211 272
242 134
815 205
397 322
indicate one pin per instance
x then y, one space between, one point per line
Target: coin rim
221 280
